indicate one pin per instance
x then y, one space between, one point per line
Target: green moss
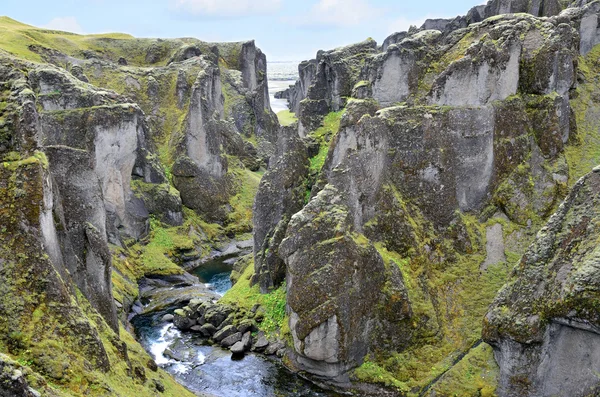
474 375
164 242
362 83
244 295
449 295
212 231
286 118
371 372
37 158
583 154
323 135
246 182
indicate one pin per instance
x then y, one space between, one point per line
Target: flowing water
215 274
210 370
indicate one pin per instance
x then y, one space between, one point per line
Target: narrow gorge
422 221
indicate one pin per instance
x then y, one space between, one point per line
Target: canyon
421 222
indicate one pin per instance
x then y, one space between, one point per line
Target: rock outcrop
102 143
544 323
281 194
455 146
337 72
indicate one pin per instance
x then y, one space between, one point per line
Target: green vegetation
286 118
37 158
164 243
371 372
64 347
239 220
476 374
323 135
18 37
584 152
449 295
273 305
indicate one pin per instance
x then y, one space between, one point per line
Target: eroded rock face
543 324
395 76
111 135
34 266
252 112
334 312
306 73
445 122
281 194
201 144
201 169
588 28
337 73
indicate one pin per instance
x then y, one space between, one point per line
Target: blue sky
284 29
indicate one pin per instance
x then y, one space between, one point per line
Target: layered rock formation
544 322
101 146
389 216
457 142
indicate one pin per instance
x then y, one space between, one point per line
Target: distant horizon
286 31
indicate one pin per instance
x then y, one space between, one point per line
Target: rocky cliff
456 142
387 221
544 322
109 143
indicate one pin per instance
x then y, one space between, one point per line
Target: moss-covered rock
87 152
549 307
349 293
280 194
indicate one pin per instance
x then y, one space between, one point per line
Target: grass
17 37
239 220
323 135
164 242
286 118
584 152
475 375
372 372
245 295
448 298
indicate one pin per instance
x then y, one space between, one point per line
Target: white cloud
67 24
226 7
341 13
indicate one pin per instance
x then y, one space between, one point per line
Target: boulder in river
237 348
208 330
225 332
231 340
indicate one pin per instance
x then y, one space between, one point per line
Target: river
210 370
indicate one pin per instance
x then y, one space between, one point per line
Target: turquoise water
216 273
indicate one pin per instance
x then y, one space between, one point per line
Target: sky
286 30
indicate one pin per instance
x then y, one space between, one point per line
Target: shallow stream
210 370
